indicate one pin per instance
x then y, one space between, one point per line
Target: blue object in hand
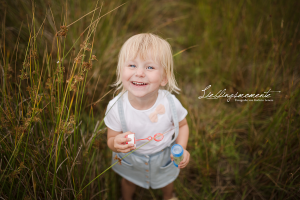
177 152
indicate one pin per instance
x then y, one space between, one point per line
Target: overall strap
174 115
121 114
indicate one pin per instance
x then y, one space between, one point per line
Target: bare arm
183 134
182 139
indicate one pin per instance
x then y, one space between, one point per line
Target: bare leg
128 189
168 191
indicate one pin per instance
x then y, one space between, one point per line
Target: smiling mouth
138 83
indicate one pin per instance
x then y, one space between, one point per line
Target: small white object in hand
132 141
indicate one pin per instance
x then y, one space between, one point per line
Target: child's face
142 78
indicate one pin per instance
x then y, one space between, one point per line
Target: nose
140 72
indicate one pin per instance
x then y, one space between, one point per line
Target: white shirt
138 121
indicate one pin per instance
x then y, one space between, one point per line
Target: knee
127 182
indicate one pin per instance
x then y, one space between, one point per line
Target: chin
138 94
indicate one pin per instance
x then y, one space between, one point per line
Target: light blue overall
154 170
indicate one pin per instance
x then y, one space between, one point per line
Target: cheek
126 75
158 77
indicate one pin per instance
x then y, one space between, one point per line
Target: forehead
148 55
149 58
147 47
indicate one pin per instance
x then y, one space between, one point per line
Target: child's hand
120 143
185 161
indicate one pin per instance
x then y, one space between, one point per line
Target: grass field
58 60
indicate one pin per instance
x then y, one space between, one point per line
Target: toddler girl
144 108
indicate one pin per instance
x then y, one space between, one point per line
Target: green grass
53 139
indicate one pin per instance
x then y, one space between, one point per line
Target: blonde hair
145 44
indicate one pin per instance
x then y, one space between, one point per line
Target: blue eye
150 67
131 65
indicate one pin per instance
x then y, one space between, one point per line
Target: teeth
136 83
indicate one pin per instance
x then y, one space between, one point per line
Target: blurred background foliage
53 141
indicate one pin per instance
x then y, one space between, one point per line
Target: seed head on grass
23 75
48 85
86 66
78 78
68 125
94 57
119 159
26 64
63 31
79 58
85 46
33 54
73 87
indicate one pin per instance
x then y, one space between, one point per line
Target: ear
164 81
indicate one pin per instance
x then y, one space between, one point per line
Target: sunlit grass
55 85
